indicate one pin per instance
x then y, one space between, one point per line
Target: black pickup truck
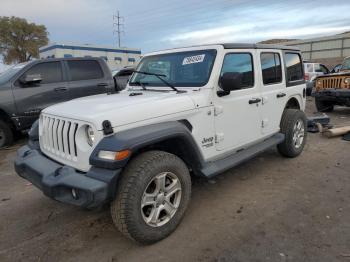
26 89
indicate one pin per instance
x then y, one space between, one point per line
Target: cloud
261 22
247 33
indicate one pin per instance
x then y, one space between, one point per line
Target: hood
122 108
340 73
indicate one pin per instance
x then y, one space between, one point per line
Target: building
329 50
116 58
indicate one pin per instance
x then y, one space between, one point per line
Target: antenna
117 22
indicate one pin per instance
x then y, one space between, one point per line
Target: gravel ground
268 209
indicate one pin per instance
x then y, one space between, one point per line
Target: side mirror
231 81
122 77
32 79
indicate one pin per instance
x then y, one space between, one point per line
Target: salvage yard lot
268 209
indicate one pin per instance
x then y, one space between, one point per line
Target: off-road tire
6 134
323 106
126 208
289 119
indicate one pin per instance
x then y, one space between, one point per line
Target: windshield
9 73
182 69
346 64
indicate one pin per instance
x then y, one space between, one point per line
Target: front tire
6 135
152 196
293 126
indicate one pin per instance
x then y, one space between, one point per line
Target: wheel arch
173 137
6 117
294 102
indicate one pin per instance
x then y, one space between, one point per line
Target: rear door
32 98
273 90
86 77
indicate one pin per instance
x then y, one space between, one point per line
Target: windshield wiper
159 76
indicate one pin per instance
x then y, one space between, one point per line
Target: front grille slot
59 137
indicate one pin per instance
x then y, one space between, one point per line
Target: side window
271 68
50 72
241 63
324 69
294 67
309 68
84 70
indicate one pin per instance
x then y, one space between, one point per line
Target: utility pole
117 22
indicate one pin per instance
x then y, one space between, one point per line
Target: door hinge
219 137
265 99
218 110
264 123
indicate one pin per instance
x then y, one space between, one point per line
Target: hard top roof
258 46
238 46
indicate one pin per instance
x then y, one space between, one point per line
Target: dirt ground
268 209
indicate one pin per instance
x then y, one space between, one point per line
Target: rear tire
152 196
293 126
6 135
323 106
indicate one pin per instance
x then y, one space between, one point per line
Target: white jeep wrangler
194 111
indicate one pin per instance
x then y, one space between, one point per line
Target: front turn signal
111 155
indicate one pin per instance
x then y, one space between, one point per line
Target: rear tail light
306 77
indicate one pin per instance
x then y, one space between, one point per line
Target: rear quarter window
84 70
294 69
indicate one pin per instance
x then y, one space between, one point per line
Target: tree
20 40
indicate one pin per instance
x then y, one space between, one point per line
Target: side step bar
216 167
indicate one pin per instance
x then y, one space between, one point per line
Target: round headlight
347 80
90 135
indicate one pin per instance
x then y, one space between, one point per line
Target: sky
159 24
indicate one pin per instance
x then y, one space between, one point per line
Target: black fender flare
140 137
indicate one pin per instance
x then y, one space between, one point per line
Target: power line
118 24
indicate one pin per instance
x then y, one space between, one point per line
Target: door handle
102 84
59 89
279 95
254 100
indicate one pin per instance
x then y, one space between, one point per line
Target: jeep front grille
332 82
58 136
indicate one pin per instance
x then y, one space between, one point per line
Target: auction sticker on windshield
193 59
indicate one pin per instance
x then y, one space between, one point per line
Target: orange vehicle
333 89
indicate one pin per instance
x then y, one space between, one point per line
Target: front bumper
333 93
64 183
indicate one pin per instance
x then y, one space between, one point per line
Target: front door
32 98
237 115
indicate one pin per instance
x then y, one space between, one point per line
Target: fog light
74 194
111 155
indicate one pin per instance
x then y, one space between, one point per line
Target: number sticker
193 59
